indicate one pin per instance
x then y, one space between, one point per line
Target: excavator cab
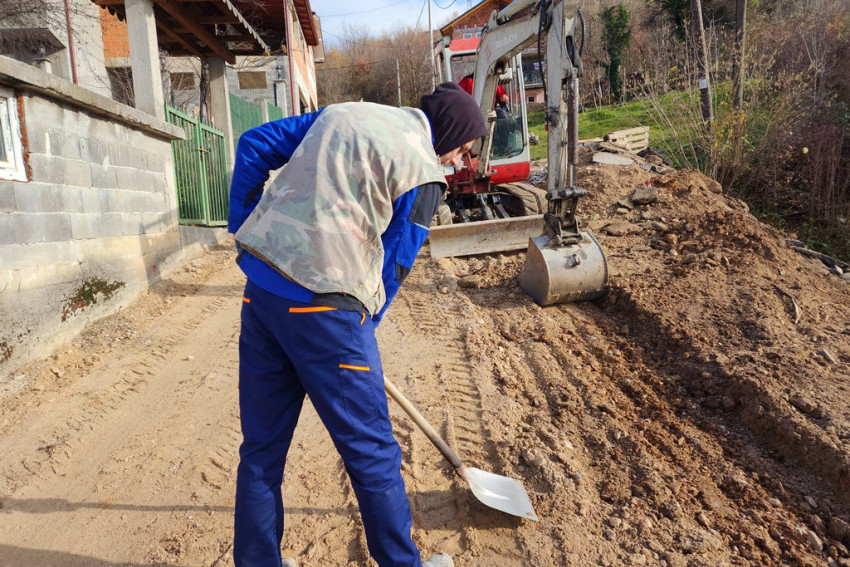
508 159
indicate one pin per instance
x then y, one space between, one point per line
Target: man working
325 250
502 98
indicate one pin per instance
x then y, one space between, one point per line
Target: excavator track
531 199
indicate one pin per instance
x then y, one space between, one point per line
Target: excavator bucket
484 237
560 274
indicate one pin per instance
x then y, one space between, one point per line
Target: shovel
499 492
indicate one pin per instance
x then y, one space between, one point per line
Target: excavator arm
502 39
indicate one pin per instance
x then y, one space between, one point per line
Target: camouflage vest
321 219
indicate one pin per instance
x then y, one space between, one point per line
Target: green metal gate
275 112
243 117
200 164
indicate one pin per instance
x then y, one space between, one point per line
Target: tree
366 68
703 64
678 14
740 54
616 36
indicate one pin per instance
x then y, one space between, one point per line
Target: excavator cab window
509 136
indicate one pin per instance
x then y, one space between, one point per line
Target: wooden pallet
633 139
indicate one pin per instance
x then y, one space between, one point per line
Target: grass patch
599 122
833 240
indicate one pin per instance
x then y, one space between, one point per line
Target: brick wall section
115 40
474 19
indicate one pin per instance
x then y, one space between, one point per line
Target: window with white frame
11 152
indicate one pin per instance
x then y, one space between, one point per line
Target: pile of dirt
699 408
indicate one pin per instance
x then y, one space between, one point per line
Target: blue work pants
288 349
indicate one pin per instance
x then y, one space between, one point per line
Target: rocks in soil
470 282
620 228
808 537
803 403
839 529
713 186
653 157
645 195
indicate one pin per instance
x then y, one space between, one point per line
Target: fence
200 161
201 170
243 116
275 112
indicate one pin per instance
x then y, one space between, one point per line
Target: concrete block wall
95 223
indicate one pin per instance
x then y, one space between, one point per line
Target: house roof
222 28
481 9
465 44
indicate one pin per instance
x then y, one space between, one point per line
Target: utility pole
701 52
738 63
431 49
398 81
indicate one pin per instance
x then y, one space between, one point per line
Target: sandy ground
691 417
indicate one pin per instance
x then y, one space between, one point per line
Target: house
466 27
286 74
469 24
89 207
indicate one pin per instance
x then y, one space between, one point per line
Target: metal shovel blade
499 492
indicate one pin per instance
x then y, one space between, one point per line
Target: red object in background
462 180
510 173
466 84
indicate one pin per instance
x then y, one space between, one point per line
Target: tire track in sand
113 449
451 395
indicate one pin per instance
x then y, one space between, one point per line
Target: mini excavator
489 205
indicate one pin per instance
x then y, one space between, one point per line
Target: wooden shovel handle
426 428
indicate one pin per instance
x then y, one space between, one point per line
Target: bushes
787 149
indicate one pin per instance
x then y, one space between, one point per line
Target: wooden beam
238 37
263 47
222 19
191 24
177 12
177 39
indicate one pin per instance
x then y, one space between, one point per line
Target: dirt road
691 417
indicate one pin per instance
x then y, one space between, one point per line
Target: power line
373 43
363 11
437 4
355 65
421 11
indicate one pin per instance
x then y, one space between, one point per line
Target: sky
383 15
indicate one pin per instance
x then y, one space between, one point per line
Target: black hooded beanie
455 117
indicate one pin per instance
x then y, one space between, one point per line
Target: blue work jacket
268 147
